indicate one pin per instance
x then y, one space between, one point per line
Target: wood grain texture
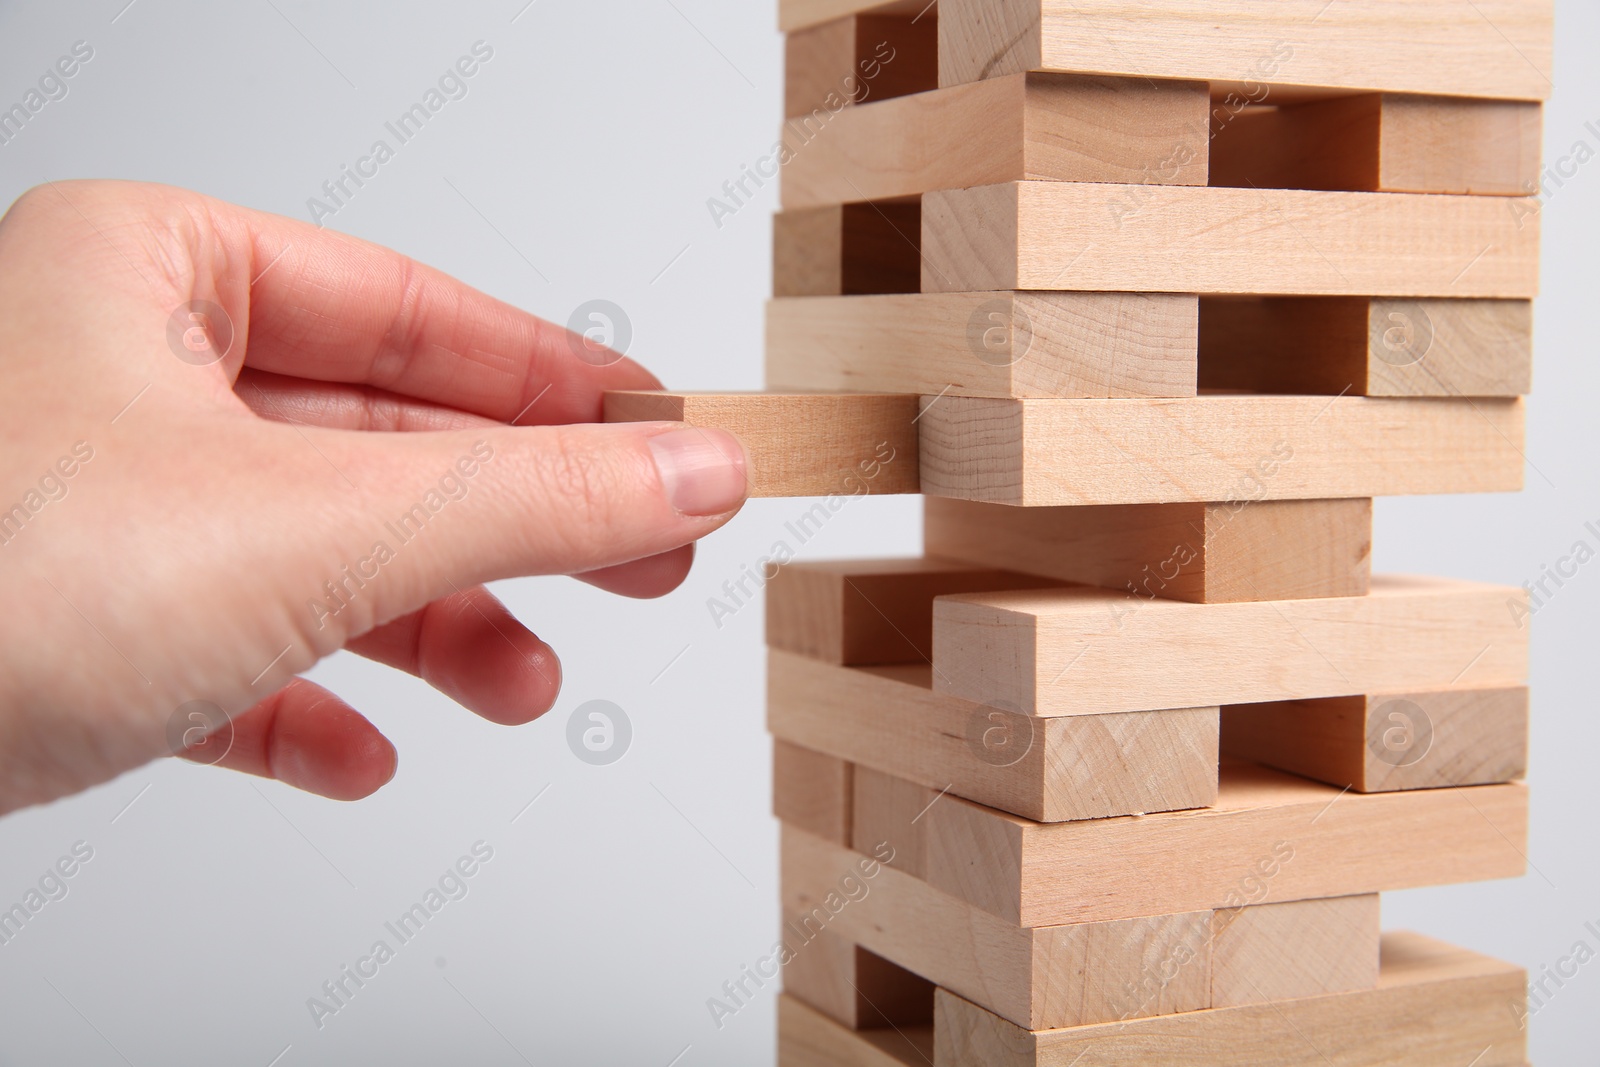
856 59
1203 553
813 790
1078 650
1053 127
1217 448
1382 142
808 1038
1269 837
1297 948
1177 239
1415 740
1061 975
987 344
1051 770
1433 1006
1362 346
847 249
834 445
1503 49
854 987
869 611
798 14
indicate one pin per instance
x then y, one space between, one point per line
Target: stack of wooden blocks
1150 298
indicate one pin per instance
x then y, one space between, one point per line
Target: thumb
438 512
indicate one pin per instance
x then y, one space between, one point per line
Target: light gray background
622 899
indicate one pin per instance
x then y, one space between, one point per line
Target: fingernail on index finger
702 470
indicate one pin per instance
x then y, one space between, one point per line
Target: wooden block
891 808
868 611
1381 142
1072 767
987 344
1269 837
1264 953
1217 448
1433 1006
1366 346
1204 553
808 1038
1060 975
1057 127
813 790
854 987
1177 239
834 445
1416 740
847 249
852 60
1077 650
1492 48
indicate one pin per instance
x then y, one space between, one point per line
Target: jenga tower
1150 298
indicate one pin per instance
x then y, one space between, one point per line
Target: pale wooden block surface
808 252
857 59
847 249
855 988
987 344
1205 553
1382 142
1297 948
813 790
1078 650
1026 126
1367 346
887 811
870 611
1176 239
834 445
808 1038
1217 448
1434 1006
1270 837
1074 767
1416 740
1063 975
1491 48
798 14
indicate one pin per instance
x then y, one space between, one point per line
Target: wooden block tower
1149 298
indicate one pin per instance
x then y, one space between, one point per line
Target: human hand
175 529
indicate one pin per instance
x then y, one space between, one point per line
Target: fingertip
644 579
702 469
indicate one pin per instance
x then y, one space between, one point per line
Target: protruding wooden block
854 987
1433 1005
1269 837
1076 650
808 1038
834 445
1052 770
1265 953
1177 239
847 249
1062 975
813 790
1381 142
1362 346
856 59
1415 740
1493 48
987 344
1217 448
1204 553
1047 126
869 611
